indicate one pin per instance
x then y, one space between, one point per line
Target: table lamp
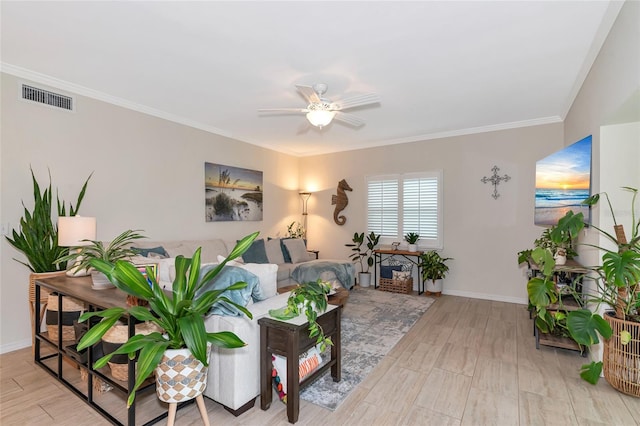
72 230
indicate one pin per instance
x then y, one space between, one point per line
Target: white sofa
234 374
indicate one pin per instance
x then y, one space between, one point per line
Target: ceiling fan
321 111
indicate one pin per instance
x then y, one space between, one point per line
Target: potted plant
117 249
616 281
37 238
434 269
363 254
181 316
296 230
311 298
412 238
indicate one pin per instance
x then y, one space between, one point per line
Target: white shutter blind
420 207
382 206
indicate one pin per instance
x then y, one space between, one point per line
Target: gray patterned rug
373 321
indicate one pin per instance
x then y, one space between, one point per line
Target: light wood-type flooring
465 362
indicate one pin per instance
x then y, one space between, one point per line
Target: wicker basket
44 298
114 338
396 286
71 310
621 362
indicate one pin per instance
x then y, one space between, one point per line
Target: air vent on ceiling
48 98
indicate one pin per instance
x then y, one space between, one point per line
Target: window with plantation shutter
403 203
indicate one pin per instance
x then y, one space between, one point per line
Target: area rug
373 321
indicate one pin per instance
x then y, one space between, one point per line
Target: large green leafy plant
181 316
434 266
309 298
362 252
616 283
37 236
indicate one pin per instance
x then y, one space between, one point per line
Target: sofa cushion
297 250
267 274
158 252
285 252
256 253
274 251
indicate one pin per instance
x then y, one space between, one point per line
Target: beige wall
148 174
483 235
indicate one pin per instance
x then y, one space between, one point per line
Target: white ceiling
440 67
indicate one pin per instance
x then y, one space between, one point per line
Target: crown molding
101 96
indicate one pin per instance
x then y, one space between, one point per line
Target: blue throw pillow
228 276
285 252
155 252
256 253
386 271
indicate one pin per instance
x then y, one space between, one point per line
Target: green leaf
225 339
591 372
543 257
541 292
149 358
95 333
194 335
585 325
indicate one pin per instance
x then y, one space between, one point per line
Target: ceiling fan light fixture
320 118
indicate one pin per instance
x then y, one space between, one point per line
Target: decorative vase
413 248
364 279
560 257
433 287
180 376
621 358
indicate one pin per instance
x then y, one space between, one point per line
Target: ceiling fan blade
355 101
349 119
283 110
309 94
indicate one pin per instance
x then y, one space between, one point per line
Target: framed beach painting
563 182
232 193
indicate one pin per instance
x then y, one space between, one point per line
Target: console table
411 256
291 338
58 360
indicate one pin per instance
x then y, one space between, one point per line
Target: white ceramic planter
432 286
100 281
413 247
364 279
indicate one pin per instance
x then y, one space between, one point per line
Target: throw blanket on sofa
312 271
228 276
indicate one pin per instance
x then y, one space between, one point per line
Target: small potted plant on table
412 238
117 249
434 269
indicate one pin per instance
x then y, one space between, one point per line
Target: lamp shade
73 229
320 118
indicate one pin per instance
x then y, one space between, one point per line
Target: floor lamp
305 198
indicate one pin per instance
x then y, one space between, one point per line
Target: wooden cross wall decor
495 181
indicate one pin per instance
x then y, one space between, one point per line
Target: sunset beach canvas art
563 181
232 193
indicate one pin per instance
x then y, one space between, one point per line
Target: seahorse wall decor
340 201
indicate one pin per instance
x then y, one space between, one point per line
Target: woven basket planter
180 376
396 286
71 311
621 362
44 297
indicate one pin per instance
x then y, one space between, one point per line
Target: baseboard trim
484 296
14 346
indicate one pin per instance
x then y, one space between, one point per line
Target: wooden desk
407 255
290 339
